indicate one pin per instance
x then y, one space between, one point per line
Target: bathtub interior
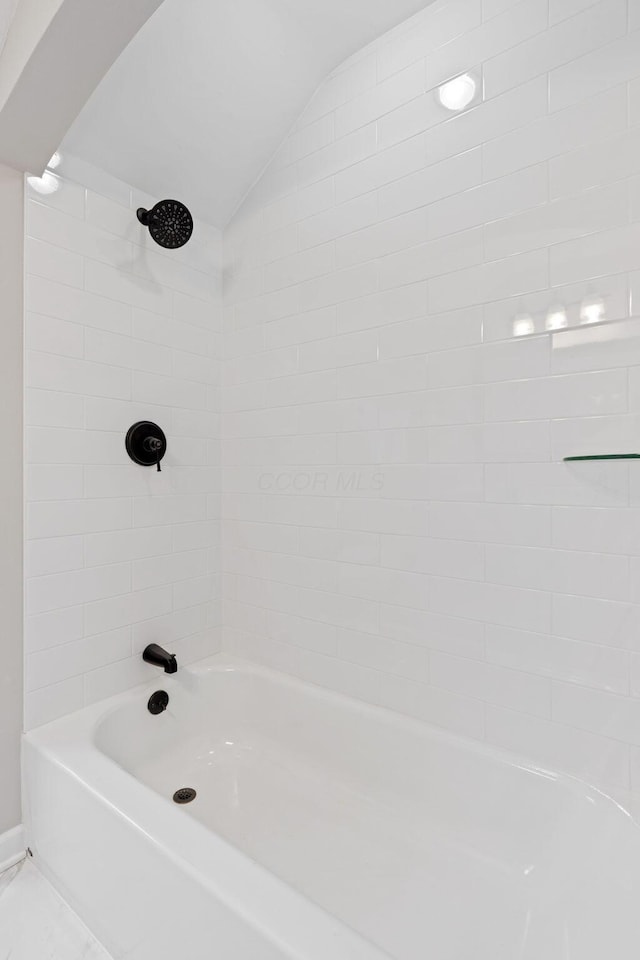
397 830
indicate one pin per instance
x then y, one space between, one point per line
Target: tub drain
184 795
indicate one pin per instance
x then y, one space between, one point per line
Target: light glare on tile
47 183
458 93
523 326
592 311
556 319
54 162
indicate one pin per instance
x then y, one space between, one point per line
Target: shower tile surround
117 555
409 356
397 520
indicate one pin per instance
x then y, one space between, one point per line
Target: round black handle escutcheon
146 443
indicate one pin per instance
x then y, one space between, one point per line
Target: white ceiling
202 97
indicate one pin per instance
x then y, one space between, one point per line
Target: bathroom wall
117 330
425 313
11 236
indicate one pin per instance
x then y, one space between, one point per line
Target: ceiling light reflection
458 93
47 183
592 311
556 319
523 325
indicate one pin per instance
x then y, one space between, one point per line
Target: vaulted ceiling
7 9
202 97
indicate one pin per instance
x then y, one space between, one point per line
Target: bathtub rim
58 736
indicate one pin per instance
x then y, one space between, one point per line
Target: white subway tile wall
424 313
117 555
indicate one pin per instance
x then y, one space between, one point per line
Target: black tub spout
160 658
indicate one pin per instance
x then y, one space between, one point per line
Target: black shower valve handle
154 445
146 444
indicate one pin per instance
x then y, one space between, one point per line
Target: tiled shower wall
117 555
398 520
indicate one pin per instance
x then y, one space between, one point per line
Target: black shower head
170 223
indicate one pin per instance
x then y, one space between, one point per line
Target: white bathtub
322 829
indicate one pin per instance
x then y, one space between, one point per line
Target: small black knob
154 446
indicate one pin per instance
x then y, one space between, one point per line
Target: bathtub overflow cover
158 702
184 795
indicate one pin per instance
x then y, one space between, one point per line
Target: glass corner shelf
605 456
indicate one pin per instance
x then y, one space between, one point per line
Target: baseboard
11 847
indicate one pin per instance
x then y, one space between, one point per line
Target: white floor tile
36 924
